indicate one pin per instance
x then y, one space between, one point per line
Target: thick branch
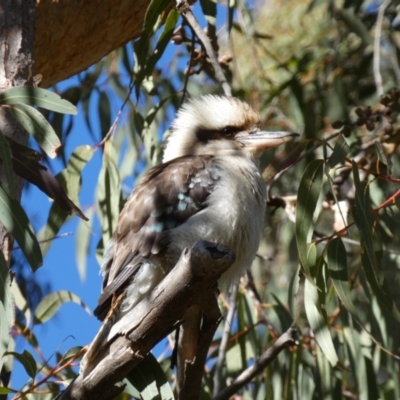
191 282
285 340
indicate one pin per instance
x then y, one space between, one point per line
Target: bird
208 187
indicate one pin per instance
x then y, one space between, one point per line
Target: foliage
328 262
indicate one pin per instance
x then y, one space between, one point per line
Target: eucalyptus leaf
37 97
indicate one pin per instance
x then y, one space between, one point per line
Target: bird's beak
261 141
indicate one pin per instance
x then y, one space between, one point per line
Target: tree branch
184 8
285 340
192 282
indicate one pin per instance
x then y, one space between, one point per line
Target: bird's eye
229 131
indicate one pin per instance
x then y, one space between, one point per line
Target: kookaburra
207 188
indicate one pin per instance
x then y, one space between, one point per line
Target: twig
284 341
224 341
114 124
184 8
377 46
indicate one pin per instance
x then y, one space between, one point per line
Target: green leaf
108 191
20 302
150 381
337 265
318 323
6 390
308 195
71 353
6 307
14 218
52 302
6 161
369 241
82 244
38 126
72 179
27 361
37 97
339 153
104 112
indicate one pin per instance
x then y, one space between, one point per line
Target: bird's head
215 125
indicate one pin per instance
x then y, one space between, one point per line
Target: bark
16 69
71 35
192 283
17 20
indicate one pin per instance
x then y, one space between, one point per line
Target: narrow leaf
318 323
38 126
6 307
339 153
150 381
27 361
37 97
52 302
308 194
369 241
108 191
82 244
71 178
14 218
26 165
6 161
337 265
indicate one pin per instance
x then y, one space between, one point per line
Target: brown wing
167 196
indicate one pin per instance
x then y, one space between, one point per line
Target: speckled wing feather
167 196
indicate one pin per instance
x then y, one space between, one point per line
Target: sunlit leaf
308 194
72 179
108 191
21 302
50 304
14 218
37 125
27 360
38 97
82 244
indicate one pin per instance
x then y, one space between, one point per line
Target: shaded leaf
150 381
26 165
308 194
20 302
37 97
6 161
337 265
38 126
318 323
104 112
108 191
339 153
369 241
285 159
70 354
354 24
52 302
71 178
14 218
27 361
6 307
